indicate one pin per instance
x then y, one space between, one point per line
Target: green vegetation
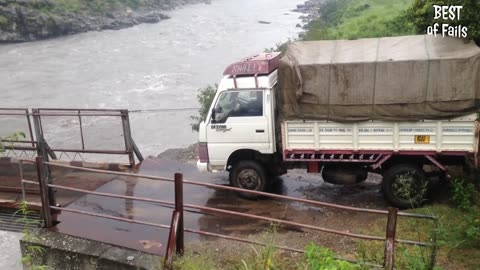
464 198
353 19
321 258
421 14
267 258
191 261
457 233
31 251
14 137
205 98
458 229
56 8
463 194
98 6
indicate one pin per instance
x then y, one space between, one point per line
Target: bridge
154 205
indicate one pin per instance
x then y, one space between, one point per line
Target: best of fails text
446 14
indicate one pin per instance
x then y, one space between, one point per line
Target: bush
472 229
205 98
279 47
463 194
463 198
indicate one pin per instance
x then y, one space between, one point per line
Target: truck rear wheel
249 175
405 186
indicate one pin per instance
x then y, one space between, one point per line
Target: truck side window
245 103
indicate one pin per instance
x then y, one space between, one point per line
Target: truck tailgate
458 135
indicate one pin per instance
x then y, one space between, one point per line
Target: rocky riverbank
29 20
186 155
311 11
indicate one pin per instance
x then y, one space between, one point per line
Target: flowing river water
150 67
146 67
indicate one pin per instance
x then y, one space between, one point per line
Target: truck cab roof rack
259 64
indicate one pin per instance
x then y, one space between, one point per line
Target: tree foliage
205 97
421 13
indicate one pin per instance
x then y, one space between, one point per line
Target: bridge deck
152 239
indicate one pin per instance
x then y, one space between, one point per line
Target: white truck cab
242 113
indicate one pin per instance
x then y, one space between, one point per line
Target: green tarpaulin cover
393 78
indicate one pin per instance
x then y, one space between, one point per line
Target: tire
405 186
249 175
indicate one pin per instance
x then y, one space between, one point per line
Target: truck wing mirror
213 115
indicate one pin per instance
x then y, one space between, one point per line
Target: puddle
151 239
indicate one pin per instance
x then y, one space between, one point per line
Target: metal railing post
43 151
29 124
127 135
136 150
81 130
44 193
433 255
41 146
172 238
390 238
179 209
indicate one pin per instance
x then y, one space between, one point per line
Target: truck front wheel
405 186
249 175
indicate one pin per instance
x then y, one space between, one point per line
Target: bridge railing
36 143
177 229
21 117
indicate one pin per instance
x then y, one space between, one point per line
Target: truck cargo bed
455 135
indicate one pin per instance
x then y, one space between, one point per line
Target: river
149 66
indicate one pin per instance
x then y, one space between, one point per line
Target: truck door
239 121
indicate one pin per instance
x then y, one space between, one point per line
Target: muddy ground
298 183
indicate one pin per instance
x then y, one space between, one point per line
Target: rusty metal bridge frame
35 140
177 229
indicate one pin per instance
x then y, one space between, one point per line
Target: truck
402 107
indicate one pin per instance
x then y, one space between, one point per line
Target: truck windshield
245 103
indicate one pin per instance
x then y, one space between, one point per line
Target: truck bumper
202 166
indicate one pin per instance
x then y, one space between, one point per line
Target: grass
221 255
455 250
353 19
457 235
230 255
264 258
190 261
